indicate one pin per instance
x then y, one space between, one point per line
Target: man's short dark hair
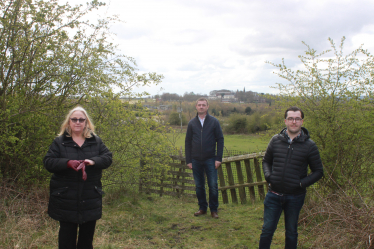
294 109
202 99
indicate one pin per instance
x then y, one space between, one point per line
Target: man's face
293 122
202 107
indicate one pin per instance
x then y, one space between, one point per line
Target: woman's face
77 122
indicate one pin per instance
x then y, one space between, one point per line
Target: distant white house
223 95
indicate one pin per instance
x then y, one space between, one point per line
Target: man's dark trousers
207 166
274 204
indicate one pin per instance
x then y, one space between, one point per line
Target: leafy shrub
174 118
236 124
335 91
139 145
240 123
248 110
69 62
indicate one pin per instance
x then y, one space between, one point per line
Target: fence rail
240 178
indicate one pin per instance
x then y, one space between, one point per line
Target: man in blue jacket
285 167
204 135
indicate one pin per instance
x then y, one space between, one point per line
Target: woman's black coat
71 198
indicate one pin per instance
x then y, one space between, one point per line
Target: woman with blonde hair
76 158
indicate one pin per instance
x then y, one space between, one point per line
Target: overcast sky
207 45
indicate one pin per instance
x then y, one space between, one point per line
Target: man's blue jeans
273 206
207 166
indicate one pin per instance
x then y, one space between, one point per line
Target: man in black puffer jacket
203 135
285 167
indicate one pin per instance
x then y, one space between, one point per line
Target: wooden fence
239 178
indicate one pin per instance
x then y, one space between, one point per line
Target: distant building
160 107
213 97
165 107
150 106
223 95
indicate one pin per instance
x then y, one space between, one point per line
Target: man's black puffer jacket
285 165
72 199
200 143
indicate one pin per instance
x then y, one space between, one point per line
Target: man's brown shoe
200 212
214 215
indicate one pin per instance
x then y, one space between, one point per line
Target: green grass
169 223
138 221
250 143
154 222
247 143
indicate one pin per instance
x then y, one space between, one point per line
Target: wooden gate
240 178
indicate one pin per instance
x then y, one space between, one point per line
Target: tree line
240 95
235 118
52 59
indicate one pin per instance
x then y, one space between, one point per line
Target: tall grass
133 221
24 220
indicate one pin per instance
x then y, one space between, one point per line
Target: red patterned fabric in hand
82 166
73 164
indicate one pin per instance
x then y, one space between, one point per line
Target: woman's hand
73 164
82 166
89 162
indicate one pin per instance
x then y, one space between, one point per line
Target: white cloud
202 45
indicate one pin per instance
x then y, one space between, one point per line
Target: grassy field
246 143
134 221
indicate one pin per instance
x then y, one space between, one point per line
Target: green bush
139 145
61 60
245 124
236 124
248 110
335 91
174 118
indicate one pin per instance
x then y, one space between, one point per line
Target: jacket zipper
289 153
201 144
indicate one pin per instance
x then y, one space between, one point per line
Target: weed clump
338 220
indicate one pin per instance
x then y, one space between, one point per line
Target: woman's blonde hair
88 130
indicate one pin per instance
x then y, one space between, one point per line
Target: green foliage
50 61
335 91
248 110
216 108
256 123
174 118
140 147
236 124
214 112
244 124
